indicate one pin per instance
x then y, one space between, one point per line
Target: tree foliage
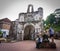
51 22
50 19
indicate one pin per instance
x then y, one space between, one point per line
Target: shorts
51 36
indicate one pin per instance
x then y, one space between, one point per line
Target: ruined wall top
30 8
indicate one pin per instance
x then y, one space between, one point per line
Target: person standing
51 32
38 41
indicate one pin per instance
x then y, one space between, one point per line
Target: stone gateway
29 24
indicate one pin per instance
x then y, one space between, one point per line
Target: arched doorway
29 32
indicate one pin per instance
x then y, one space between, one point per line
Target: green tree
50 20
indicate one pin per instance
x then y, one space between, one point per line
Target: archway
29 32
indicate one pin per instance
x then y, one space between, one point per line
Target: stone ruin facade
29 24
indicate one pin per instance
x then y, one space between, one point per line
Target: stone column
22 31
18 37
22 34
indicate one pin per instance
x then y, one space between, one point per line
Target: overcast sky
11 8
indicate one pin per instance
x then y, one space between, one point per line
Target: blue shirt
51 31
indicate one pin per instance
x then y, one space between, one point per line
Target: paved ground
25 46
